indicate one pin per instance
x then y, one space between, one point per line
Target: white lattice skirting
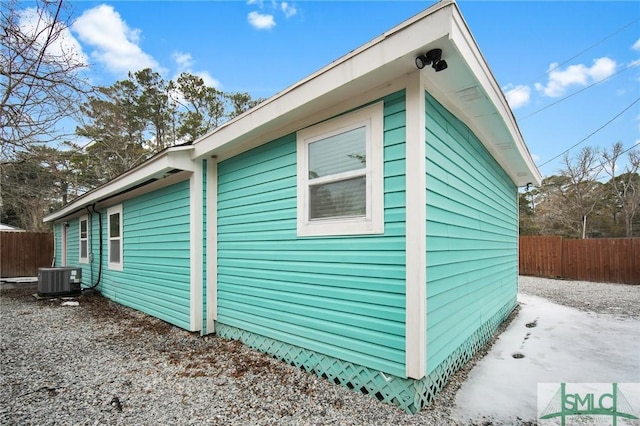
409 394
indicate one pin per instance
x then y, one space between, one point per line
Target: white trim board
416 216
195 247
212 244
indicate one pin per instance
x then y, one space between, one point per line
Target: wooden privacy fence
22 253
614 260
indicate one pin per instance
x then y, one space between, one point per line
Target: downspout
93 286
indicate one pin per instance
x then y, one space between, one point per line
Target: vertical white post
416 256
195 238
212 244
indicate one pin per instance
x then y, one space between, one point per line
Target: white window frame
371 117
85 259
116 266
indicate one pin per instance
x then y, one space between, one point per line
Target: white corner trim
212 244
416 262
195 239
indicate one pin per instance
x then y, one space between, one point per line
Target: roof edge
177 157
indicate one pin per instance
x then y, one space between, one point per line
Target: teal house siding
338 296
73 243
57 244
156 275
239 233
472 231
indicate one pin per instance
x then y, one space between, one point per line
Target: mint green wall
73 243
472 234
57 237
156 274
339 296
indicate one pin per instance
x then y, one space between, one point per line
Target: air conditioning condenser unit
59 281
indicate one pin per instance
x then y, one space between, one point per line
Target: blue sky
261 47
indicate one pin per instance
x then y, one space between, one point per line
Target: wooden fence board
605 259
22 253
541 256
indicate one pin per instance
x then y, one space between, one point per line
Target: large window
340 175
114 221
84 239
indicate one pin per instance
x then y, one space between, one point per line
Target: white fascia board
174 158
393 45
463 40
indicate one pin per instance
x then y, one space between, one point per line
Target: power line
577 54
622 152
592 133
578 91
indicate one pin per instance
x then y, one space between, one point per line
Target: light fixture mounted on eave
433 58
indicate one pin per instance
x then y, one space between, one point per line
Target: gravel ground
603 298
102 363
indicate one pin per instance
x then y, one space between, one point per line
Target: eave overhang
467 88
156 168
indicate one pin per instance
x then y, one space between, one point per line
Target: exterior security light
421 62
433 58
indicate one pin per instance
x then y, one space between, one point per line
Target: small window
340 182
114 218
84 239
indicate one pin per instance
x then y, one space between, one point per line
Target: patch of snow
19 280
564 346
70 304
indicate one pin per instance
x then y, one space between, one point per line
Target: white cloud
517 96
258 2
535 157
288 9
261 21
636 45
581 75
184 63
602 68
183 60
116 45
65 45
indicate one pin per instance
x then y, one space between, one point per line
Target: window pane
114 253
83 249
83 229
114 225
338 199
340 153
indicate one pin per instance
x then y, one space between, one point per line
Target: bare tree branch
42 82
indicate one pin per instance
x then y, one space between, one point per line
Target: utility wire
577 54
578 91
592 133
602 162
